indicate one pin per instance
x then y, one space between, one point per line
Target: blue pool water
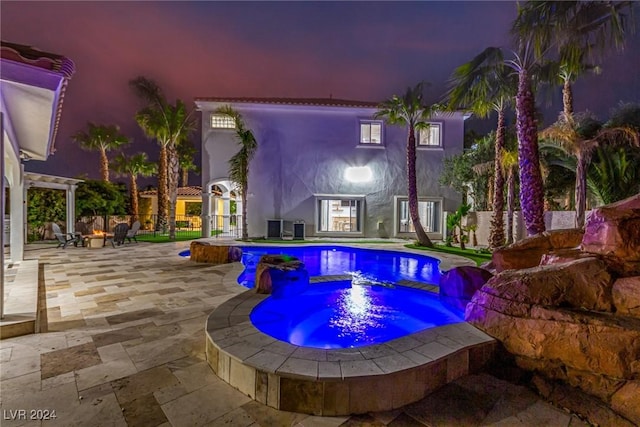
374 264
344 315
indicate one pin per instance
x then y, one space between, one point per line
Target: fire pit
95 240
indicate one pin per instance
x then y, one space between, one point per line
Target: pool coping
337 381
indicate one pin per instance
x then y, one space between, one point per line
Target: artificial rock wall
574 317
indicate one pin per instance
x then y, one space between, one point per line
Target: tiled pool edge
342 381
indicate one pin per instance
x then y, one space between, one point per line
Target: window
222 121
370 132
431 137
429 211
339 214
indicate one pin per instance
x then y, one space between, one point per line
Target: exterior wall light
358 174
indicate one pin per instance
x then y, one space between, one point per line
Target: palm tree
239 162
483 85
101 138
169 125
579 137
540 27
411 111
186 151
134 166
509 165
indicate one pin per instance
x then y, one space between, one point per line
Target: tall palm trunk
104 165
173 174
412 188
531 189
496 236
581 188
511 203
567 99
185 177
133 194
162 188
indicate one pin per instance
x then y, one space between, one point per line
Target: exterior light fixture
358 174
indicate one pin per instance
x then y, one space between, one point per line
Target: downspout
2 209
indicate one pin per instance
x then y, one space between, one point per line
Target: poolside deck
126 347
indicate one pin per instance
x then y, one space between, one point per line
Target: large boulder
281 276
459 284
214 254
626 296
528 252
614 230
584 283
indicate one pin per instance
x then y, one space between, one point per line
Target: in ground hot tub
339 381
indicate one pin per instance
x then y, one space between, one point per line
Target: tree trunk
245 231
496 236
162 189
511 203
581 189
185 177
173 175
531 189
412 188
104 165
567 99
133 194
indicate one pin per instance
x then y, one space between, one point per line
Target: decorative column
206 212
226 211
71 208
18 213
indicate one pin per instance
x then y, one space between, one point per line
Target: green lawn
304 242
474 255
181 236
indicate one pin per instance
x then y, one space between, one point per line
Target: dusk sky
364 51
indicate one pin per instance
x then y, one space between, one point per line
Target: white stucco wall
304 150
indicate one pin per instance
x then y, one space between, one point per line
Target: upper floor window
370 132
432 136
222 121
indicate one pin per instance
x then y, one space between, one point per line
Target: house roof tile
194 191
323 102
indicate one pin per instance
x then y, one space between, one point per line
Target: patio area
126 346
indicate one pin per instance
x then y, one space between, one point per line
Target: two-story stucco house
327 163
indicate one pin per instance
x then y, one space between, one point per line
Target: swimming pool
369 264
346 315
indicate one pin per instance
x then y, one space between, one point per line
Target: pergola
68 185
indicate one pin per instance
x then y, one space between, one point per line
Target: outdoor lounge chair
83 230
131 233
63 238
119 234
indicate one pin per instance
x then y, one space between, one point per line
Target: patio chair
131 233
119 234
63 238
83 230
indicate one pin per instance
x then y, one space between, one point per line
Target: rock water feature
214 254
281 276
572 315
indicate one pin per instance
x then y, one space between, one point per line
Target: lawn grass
303 242
478 257
164 238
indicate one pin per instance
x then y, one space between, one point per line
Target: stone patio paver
137 315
